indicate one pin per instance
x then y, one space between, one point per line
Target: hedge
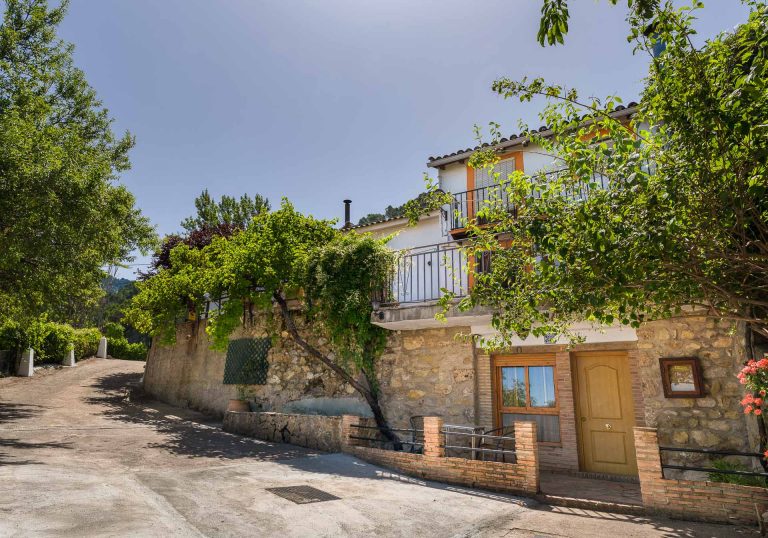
51 341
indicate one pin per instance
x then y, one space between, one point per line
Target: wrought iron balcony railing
467 204
424 274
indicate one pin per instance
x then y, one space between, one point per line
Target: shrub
50 340
725 465
55 341
113 330
86 342
121 348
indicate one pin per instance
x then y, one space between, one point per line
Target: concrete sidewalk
77 459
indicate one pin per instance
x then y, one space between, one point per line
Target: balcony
467 204
421 278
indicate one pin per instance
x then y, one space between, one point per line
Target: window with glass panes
526 391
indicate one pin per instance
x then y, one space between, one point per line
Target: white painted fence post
27 364
69 358
102 352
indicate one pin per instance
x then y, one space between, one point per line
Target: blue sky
323 100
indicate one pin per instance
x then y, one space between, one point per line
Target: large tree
662 215
228 211
63 216
317 280
212 219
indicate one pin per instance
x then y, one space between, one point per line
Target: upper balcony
466 205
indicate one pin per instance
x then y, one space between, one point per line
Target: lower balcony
423 275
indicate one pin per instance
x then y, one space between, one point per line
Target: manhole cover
302 494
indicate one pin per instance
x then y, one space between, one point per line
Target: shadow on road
187 433
13 412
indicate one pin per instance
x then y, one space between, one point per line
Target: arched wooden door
605 413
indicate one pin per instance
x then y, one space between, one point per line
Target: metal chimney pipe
347 222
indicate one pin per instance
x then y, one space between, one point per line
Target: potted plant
241 402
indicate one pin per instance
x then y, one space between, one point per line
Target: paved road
77 459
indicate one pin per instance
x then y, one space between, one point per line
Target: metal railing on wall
467 204
712 452
426 273
409 439
480 444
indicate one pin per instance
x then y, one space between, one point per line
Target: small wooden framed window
526 390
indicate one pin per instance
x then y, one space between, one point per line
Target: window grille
247 361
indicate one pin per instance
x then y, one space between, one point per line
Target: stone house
585 399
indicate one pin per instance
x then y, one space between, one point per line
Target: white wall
427 232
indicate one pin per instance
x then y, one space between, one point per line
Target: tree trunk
364 388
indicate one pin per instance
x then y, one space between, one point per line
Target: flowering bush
754 376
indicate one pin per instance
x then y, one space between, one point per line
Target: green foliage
62 215
113 330
648 216
554 18
86 342
725 465
120 348
282 254
340 279
229 211
51 341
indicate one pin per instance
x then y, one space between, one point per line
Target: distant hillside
114 285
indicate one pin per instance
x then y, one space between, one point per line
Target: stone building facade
440 372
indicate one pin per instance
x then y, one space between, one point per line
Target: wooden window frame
526 361
698 378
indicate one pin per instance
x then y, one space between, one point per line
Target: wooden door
605 414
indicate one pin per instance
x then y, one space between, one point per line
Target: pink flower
743 381
748 409
758 411
758 402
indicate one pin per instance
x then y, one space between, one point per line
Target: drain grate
302 494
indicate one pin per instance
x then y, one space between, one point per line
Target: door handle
608 426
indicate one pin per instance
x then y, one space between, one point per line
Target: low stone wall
689 499
311 431
518 478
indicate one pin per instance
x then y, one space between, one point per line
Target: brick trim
521 477
689 499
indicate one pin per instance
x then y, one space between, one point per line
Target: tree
282 259
649 217
213 219
554 17
659 216
63 216
228 211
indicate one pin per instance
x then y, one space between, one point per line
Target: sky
319 101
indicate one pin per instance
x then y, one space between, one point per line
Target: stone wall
311 431
190 374
716 420
428 372
420 373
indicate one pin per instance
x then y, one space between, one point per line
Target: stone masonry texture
311 431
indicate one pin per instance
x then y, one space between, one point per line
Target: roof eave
464 155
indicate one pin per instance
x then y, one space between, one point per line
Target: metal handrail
425 273
711 451
715 452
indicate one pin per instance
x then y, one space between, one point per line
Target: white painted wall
428 231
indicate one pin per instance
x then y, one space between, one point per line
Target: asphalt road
77 459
